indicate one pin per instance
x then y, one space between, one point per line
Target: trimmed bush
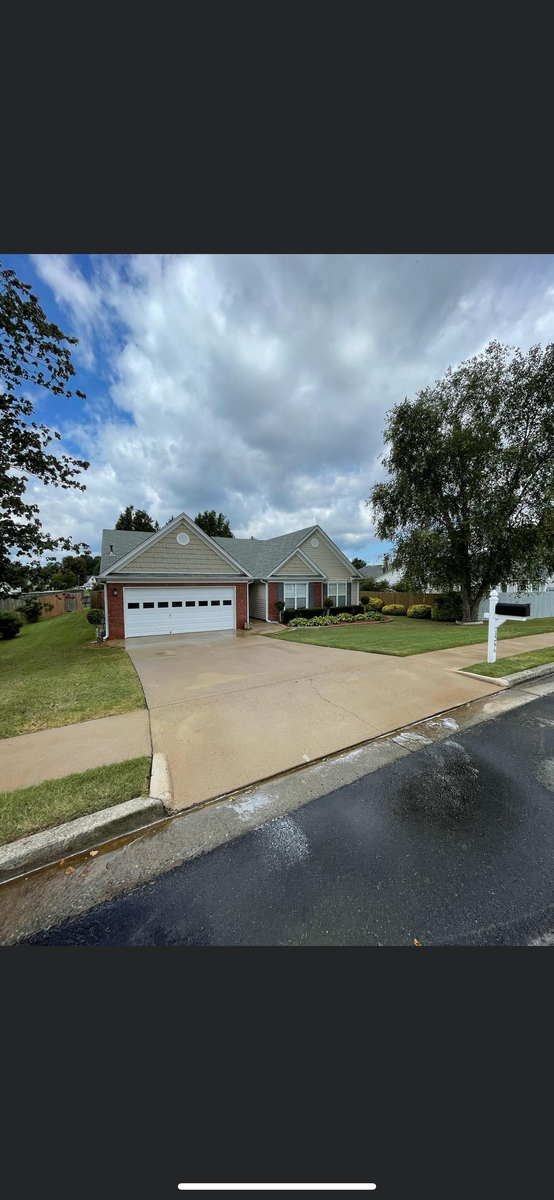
364 599
291 613
394 610
421 611
10 624
447 607
328 602
32 610
375 603
95 616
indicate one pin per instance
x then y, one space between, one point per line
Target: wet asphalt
451 845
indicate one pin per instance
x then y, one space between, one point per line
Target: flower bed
343 619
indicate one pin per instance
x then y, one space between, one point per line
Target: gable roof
125 557
261 558
258 558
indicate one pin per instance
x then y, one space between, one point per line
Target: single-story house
180 580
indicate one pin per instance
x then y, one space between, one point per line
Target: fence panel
97 598
542 603
405 598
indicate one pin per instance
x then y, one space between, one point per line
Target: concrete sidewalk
53 753
457 657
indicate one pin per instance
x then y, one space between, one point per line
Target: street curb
42 849
502 682
517 677
160 779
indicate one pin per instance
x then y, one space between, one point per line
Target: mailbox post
498 613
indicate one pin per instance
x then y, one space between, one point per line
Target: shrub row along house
180 580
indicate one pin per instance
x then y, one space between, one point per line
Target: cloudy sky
258 384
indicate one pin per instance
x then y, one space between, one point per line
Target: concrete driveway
232 708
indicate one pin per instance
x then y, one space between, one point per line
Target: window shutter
349 593
280 591
311 595
324 591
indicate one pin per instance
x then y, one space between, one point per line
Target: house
180 580
90 583
377 572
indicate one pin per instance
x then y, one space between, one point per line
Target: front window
338 592
295 595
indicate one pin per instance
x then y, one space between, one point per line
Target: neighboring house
378 573
90 583
180 580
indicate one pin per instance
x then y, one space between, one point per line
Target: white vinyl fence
542 603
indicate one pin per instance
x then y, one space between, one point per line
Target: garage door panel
151 611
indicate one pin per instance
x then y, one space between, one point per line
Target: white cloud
258 385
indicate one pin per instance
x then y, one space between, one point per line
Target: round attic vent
183 539
315 542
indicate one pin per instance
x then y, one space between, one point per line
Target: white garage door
177 610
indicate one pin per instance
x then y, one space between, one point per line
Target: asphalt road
452 845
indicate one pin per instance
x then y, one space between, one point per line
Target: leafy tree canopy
32 354
214 526
137 519
358 563
470 495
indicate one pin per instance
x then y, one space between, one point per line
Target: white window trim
337 583
294 583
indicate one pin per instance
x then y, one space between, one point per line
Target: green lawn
28 810
49 676
516 662
404 635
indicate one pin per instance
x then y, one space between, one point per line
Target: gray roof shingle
262 557
258 557
122 540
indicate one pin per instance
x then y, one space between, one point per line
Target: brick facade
272 596
115 603
318 602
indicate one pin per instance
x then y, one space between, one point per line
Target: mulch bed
339 624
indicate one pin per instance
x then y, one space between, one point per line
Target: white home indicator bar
277 1187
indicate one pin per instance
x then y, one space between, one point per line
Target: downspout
107 621
267 601
247 603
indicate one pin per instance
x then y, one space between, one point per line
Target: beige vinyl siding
168 555
257 601
326 559
354 593
295 566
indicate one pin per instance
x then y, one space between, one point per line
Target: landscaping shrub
292 613
447 607
10 624
342 619
422 611
279 605
375 603
328 602
32 610
95 616
364 599
394 610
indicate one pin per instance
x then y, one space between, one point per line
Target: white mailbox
497 615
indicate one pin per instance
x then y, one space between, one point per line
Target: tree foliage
137 519
358 563
32 354
470 495
214 526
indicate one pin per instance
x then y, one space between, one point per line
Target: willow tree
469 501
